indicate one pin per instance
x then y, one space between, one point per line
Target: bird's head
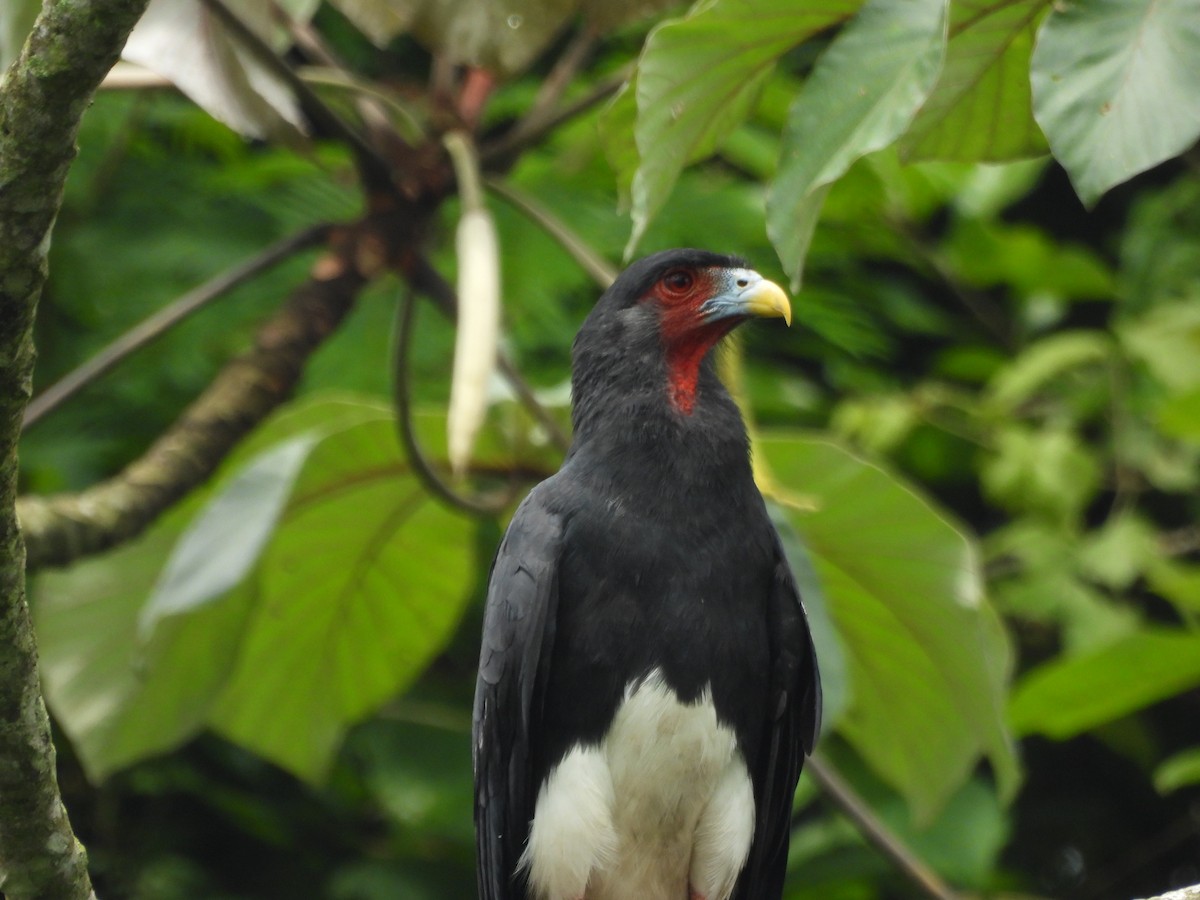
654 327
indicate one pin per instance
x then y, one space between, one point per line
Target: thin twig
63 528
372 101
876 832
154 327
484 505
505 148
429 281
589 260
556 83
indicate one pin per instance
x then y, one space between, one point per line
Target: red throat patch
684 354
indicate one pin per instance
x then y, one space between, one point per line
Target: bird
648 687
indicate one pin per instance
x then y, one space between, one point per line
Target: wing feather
518 630
790 736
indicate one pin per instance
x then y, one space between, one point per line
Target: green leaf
862 94
1068 696
835 679
1167 341
1054 594
1043 361
1116 88
1045 471
980 109
360 586
1177 582
696 81
186 43
120 699
1180 416
222 543
1180 770
1115 554
926 653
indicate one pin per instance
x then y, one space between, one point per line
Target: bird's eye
678 281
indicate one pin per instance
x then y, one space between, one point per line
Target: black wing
790 736
518 630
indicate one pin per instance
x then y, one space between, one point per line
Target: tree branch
42 98
154 326
63 528
877 834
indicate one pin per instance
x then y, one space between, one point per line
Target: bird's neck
638 440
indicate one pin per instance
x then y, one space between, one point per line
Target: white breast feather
662 804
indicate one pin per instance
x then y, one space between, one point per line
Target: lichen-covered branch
64 528
42 97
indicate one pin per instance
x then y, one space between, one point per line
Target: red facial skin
687 338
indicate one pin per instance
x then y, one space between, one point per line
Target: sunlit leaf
835 679
121 695
1116 88
1047 471
361 584
1180 416
697 78
1044 361
1067 696
1180 770
862 94
926 653
980 109
1167 341
186 43
222 543
121 699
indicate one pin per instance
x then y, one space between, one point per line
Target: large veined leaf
835 680
1116 87
120 699
223 542
863 93
123 694
981 109
1068 696
697 78
184 42
927 656
362 583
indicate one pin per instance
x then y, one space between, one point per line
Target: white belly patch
662 805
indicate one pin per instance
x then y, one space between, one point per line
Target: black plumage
650 549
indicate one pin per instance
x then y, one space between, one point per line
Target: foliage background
268 693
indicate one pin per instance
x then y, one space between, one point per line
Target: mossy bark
42 97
